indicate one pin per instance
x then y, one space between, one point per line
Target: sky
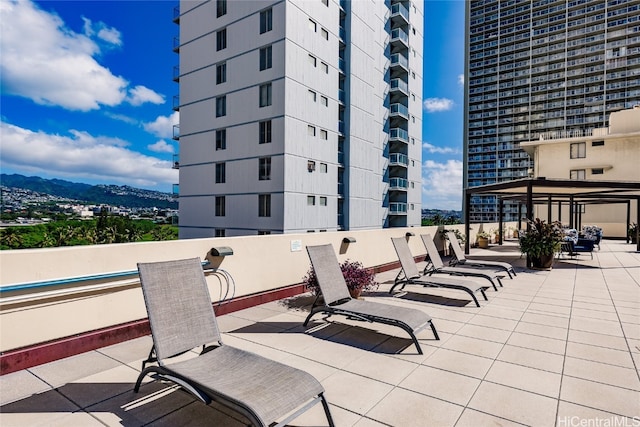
87 89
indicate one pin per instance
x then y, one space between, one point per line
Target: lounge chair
182 318
437 266
462 261
338 301
409 274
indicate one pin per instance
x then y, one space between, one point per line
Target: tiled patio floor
551 348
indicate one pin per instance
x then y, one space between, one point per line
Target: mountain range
114 195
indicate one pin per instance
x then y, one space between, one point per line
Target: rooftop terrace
550 348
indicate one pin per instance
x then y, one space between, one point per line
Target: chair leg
435 333
325 405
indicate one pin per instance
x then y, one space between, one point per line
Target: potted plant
633 232
541 242
358 279
482 239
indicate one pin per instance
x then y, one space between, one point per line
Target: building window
597 171
578 150
323 168
221 39
597 143
312 60
311 200
312 95
264 168
311 165
220 232
266 21
265 95
265 58
323 134
312 25
221 139
324 101
325 67
324 33
264 205
265 132
221 8
220 173
221 73
220 206
323 201
578 174
221 106
311 130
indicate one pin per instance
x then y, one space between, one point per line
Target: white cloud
161 147
440 150
141 94
461 79
45 61
442 185
433 105
162 126
81 155
121 117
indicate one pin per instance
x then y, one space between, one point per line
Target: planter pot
483 242
355 293
544 261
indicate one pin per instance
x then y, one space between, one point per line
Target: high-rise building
298 116
538 69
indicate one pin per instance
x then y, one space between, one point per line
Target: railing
399 59
176 161
176 102
397 207
399 84
398 183
399 159
399 135
176 44
343 33
399 34
399 109
176 189
340 126
399 9
342 96
559 134
340 157
342 65
176 132
176 14
176 73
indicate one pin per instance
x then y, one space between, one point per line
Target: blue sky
87 94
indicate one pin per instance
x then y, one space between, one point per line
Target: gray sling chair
437 266
409 274
182 319
338 301
462 261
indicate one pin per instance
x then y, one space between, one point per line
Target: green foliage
542 238
438 219
103 230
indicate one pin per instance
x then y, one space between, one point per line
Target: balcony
399 35
341 127
398 184
342 66
400 14
399 60
342 96
176 161
343 34
398 134
399 110
176 44
176 132
501 363
176 14
176 190
399 85
176 73
397 208
176 103
398 159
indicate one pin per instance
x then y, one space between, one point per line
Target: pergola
542 191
